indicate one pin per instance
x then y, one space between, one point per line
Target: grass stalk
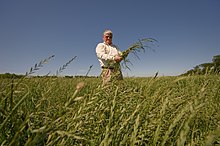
13 110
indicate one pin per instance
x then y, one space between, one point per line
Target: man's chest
111 50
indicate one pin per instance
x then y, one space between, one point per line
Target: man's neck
108 44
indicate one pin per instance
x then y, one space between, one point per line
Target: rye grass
138 47
137 111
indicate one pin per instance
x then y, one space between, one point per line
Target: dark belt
105 67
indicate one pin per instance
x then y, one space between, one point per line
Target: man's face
107 39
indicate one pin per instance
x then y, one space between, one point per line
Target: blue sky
188 34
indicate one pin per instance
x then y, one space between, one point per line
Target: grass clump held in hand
139 46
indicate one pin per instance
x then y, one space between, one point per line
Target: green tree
206 68
216 63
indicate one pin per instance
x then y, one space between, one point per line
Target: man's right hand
118 58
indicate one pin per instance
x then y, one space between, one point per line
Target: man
109 57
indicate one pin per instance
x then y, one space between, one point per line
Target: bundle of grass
140 46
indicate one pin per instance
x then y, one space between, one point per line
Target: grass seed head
80 85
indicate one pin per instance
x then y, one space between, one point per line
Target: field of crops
137 111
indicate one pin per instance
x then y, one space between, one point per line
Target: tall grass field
162 111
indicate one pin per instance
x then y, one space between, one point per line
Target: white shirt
106 53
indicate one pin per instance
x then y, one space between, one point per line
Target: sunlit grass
136 111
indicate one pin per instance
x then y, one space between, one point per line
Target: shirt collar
108 44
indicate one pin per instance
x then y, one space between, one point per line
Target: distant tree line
16 76
202 69
206 68
9 75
